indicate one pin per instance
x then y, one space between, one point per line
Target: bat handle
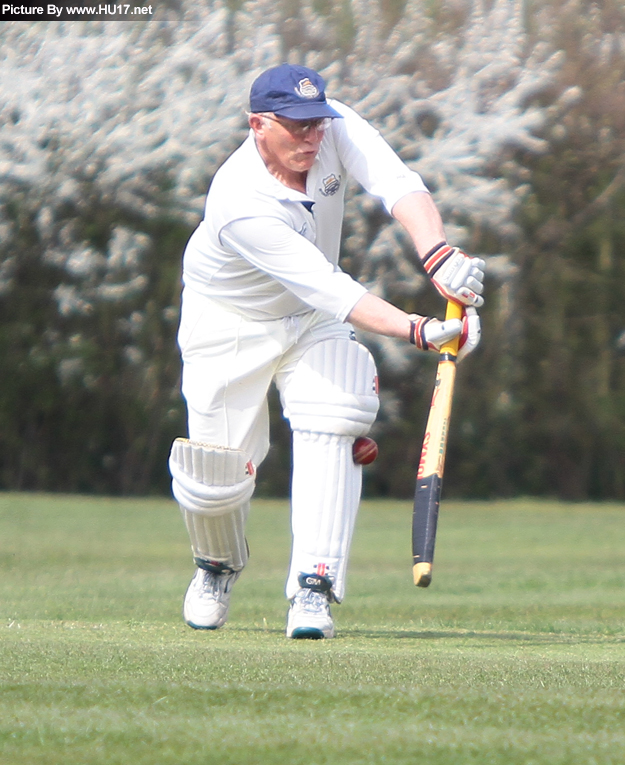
454 311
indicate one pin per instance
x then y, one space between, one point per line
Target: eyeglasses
302 127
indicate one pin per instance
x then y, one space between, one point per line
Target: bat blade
425 521
432 463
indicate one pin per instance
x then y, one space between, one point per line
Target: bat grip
454 311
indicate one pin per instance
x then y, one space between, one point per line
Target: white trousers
229 363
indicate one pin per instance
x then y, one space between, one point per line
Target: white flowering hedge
110 133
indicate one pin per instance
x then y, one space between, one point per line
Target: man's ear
257 123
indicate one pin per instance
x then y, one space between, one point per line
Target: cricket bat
432 462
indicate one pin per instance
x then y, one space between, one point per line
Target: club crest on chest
331 184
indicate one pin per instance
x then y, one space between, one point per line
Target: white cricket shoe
207 599
309 616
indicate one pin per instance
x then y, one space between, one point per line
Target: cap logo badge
306 89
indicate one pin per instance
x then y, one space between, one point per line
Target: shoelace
312 601
215 585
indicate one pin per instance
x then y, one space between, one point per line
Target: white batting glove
429 334
455 275
471 333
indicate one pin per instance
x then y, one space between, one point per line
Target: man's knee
333 389
210 480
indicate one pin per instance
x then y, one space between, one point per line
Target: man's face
288 145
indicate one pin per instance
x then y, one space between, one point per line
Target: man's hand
471 333
429 334
455 275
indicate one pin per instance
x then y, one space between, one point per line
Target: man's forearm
418 214
373 314
454 274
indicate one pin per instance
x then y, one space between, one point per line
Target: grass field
515 654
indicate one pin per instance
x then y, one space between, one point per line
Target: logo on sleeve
331 184
306 89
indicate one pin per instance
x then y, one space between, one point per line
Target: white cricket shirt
267 251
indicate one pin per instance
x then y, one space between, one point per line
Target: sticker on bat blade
441 446
437 387
424 454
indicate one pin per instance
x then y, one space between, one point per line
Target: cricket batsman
264 301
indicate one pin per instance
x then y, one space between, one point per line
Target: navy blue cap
291 91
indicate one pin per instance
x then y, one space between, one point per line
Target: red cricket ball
365 450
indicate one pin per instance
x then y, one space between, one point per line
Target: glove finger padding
471 333
455 275
429 334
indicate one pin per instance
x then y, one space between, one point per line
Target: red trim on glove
436 257
417 333
464 334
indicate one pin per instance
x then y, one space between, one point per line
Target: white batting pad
207 479
330 399
213 486
219 539
333 389
325 498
